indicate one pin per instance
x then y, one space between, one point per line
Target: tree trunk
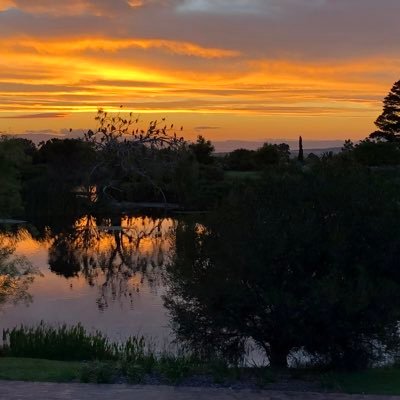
278 355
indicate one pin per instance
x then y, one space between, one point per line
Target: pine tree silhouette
388 122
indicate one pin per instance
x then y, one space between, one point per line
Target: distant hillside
43 136
314 146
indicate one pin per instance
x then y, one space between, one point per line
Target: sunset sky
227 69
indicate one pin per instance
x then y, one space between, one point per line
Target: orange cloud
76 76
72 80
63 46
136 3
6 4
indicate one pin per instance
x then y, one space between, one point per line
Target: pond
106 273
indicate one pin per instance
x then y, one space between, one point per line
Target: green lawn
375 381
384 381
26 369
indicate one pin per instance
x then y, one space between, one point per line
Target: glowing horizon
254 70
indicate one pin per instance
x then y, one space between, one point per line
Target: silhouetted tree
348 146
60 170
15 157
308 260
270 154
203 149
376 153
301 151
128 152
388 122
240 160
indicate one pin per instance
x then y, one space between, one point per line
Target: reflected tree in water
16 273
119 255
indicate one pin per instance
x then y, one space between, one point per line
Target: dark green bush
98 372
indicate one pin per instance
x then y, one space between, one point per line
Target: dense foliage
15 156
298 261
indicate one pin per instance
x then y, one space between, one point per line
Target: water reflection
16 273
105 272
116 254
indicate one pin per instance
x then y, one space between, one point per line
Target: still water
104 273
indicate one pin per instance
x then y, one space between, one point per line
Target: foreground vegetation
106 361
382 381
71 354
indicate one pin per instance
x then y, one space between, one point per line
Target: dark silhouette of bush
202 149
377 153
300 260
272 154
240 160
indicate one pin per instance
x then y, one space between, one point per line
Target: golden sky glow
251 71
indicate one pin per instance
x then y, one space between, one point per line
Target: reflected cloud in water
116 255
106 273
16 273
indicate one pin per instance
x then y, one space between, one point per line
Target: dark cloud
321 29
288 28
70 7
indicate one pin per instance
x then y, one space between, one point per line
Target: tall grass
69 343
105 360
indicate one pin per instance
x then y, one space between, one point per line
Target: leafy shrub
135 373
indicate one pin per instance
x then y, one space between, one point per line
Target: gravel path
55 391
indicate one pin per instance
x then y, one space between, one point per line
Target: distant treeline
62 174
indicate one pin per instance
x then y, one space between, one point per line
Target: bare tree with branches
124 147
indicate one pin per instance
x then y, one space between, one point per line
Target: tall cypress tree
388 122
301 151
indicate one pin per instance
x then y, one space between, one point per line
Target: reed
68 343
104 360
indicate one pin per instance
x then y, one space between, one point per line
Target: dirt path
55 391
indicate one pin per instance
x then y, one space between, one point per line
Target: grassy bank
384 381
71 354
103 361
27 369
